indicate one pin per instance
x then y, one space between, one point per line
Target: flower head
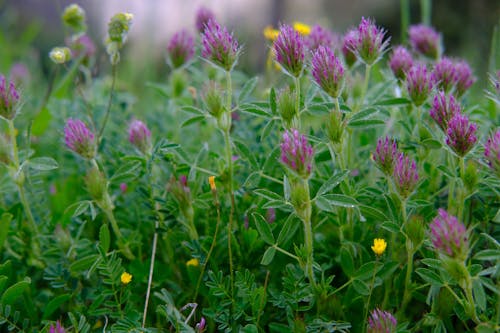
219 46
270 33
405 175
449 236
385 155
203 15
119 26
286 105
349 44
79 138
461 135
425 40
126 278
302 28
418 84
400 62
9 98
443 109
60 55
370 44
328 71
200 327
443 74
463 77
289 50
194 262
180 190
58 328
381 322
140 136
296 153
319 36
211 181
180 48
379 246
492 152
74 17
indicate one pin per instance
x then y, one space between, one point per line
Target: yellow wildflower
126 278
211 181
302 28
270 33
379 246
193 262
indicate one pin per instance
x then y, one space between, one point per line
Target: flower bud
328 71
200 327
213 100
289 50
140 136
58 328
9 99
60 55
400 62
335 127
180 48
405 175
461 135
381 322
96 184
219 46
319 36
74 17
425 40
119 26
286 106
449 236
415 230
79 138
349 44
492 152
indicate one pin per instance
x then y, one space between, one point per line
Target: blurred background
466 25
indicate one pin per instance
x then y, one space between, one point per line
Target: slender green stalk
297 103
461 190
308 235
150 277
110 102
426 11
367 304
365 86
409 263
279 249
468 294
405 20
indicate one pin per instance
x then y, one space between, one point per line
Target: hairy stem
110 102
297 103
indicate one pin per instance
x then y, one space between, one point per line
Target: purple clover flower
203 15
449 236
443 109
492 152
418 84
381 322
400 62
79 138
139 135
461 135
180 48
319 36
444 73
219 46
296 153
425 40
385 155
9 98
57 329
200 327
405 175
371 44
328 71
289 50
349 44
463 77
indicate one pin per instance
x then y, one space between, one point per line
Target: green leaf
446 171
340 200
268 256
267 129
272 101
332 182
289 229
366 123
393 101
388 269
3 281
246 153
41 122
367 270
364 114
104 238
431 143
361 287
4 227
127 170
346 261
268 194
192 109
247 89
81 265
15 291
43 163
254 110
390 226
478 294
193 120
429 276
488 255
264 229
374 213
161 89
54 304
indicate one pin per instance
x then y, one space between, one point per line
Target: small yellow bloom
211 181
126 278
270 33
193 262
379 246
302 28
